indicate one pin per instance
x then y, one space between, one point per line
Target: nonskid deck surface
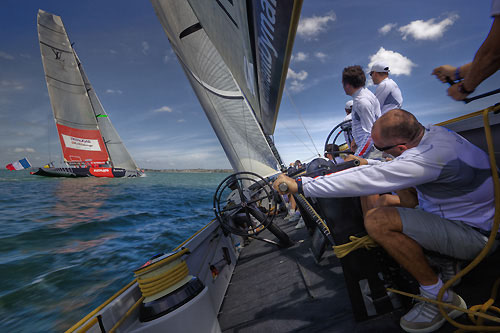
285 290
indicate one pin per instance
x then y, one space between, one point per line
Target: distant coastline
191 170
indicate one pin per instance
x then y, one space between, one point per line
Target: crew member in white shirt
365 111
456 203
387 92
347 127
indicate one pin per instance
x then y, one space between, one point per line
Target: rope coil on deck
151 286
158 277
355 243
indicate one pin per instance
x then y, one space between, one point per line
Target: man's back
389 95
365 111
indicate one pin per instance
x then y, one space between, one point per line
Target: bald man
455 191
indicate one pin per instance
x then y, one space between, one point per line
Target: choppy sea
67 245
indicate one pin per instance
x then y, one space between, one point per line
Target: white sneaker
425 317
295 218
301 224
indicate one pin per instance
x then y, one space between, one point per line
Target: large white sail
255 39
226 88
75 120
85 131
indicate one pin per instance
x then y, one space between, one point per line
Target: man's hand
290 182
444 72
455 93
361 160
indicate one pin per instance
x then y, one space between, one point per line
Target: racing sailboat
236 55
90 144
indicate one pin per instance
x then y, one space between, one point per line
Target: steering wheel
243 204
344 125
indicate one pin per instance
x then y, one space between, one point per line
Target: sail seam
71 84
46 27
54 47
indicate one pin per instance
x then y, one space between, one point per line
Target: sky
129 61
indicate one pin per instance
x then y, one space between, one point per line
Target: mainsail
221 66
85 131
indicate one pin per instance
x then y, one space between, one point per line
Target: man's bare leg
368 202
385 227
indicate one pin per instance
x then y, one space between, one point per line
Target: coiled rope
355 243
159 277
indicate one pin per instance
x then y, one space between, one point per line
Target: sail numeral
226 11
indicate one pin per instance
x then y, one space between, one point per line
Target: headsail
75 120
118 153
222 73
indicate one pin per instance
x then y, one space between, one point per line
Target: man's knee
381 220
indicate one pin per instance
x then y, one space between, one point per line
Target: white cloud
427 30
300 56
6 85
398 63
321 56
6 56
27 150
166 58
295 80
145 47
310 27
113 51
114 91
302 75
163 109
386 28
181 120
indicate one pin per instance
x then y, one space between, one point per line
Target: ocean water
67 245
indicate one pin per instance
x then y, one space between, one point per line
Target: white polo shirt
365 111
388 95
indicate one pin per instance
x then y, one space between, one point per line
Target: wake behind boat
90 144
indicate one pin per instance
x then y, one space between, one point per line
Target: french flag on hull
19 165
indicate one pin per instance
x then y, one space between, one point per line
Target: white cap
380 67
348 105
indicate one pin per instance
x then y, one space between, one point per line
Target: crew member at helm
456 203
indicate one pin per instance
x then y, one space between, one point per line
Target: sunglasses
371 73
388 147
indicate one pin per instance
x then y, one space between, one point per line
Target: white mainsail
221 69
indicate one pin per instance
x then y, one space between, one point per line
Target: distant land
191 170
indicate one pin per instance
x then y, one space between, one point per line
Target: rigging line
298 138
300 117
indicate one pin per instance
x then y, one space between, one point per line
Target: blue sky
129 61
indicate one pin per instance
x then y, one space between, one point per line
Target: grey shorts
452 238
